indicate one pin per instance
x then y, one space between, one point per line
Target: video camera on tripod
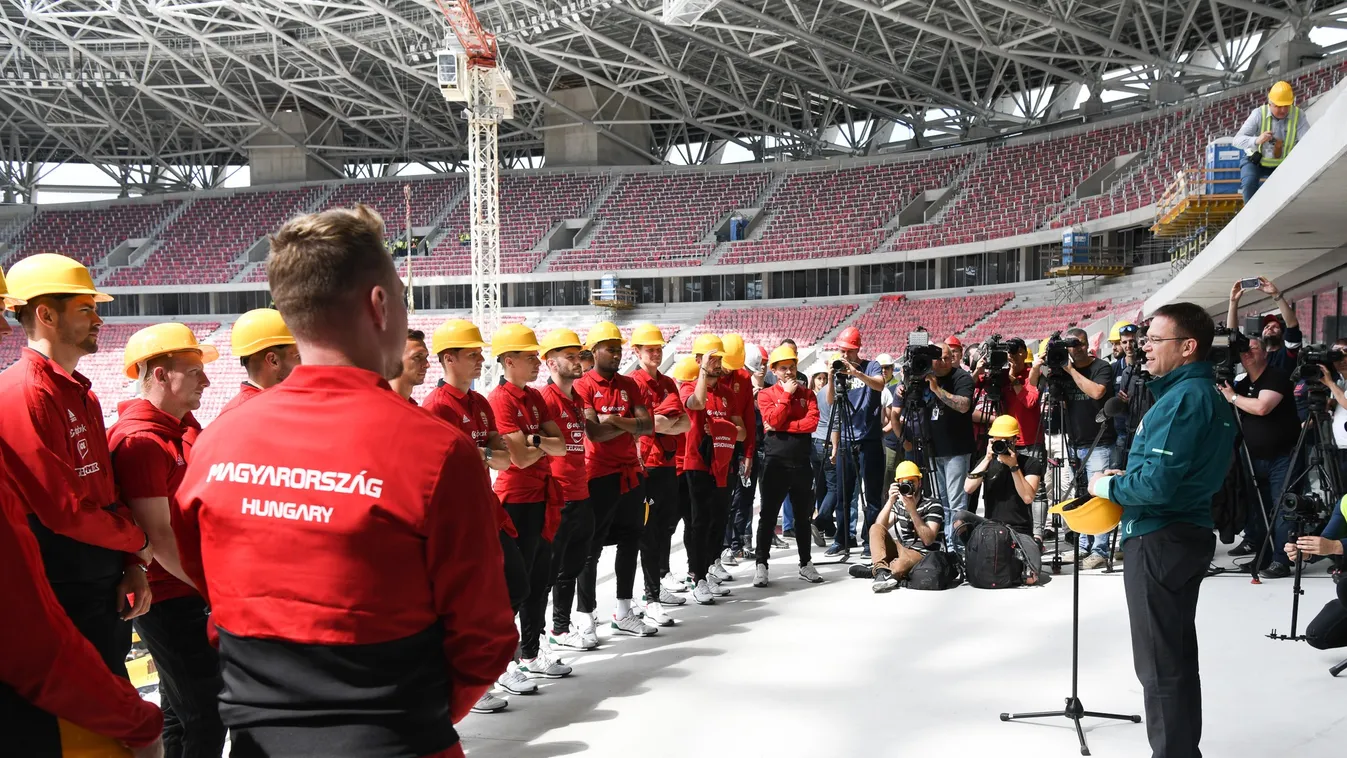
1227 345
1313 361
996 353
919 358
1056 355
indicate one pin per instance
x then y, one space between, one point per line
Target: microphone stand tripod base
1338 669
1075 711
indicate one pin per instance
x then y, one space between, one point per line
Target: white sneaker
544 666
516 682
715 586
588 629
571 640
655 614
719 572
701 594
490 704
760 575
810 574
668 598
727 557
673 584
633 625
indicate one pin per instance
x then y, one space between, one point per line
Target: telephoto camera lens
1001 447
907 488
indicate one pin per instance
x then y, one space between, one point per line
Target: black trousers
781 478
189 676
536 554
661 494
570 551
685 515
29 731
93 609
1328 630
619 519
1164 573
710 506
516 576
741 503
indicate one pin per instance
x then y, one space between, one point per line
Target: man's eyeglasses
1147 340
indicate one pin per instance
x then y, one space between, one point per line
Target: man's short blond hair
320 264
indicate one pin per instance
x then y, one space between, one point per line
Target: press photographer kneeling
1328 630
1009 480
920 523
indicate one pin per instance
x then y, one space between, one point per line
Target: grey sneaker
715 587
490 704
719 572
673 584
655 614
884 581
633 625
728 558
760 575
544 666
810 574
819 539
515 682
668 598
701 594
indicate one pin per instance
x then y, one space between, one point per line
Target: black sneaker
1276 571
861 571
779 543
884 581
1242 549
819 539
788 534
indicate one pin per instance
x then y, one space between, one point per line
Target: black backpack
992 560
937 570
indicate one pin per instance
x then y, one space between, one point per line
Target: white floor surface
834 670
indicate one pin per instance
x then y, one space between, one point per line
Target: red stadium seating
885 326
89 235
766 326
1037 323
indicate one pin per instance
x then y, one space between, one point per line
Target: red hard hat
953 342
849 339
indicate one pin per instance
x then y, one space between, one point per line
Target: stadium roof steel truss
165 93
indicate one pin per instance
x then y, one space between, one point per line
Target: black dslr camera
907 487
1002 447
1056 356
1227 345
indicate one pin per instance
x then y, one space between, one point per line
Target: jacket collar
54 369
1200 370
306 377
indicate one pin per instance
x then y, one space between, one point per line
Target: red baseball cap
953 342
1269 318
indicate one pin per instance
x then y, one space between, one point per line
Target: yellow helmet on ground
162 339
647 334
708 344
557 339
455 333
1115 332
686 369
1004 427
603 332
734 351
513 338
907 470
1281 94
1089 515
258 330
782 353
51 274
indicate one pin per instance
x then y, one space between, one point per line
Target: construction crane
470 72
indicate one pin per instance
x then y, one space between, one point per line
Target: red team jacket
709 445
471 414
56 455
739 383
47 662
661 396
347 544
150 450
569 469
792 414
247 391
618 396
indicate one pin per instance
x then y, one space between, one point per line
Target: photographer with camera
1008 480
1130 384
1178 461
1086 380
1019 399
920 525
1264 398
948 403
1281 336
861 382
1328 630
1338 389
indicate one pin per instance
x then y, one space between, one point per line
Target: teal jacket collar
1199 370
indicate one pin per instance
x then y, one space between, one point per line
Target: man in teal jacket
1178 460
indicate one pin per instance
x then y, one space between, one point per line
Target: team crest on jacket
483 414
536 417
83 447
623 393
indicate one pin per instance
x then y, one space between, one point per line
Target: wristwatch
487 453
1012 469
535 440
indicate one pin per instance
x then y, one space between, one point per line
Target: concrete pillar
939 264
569 143
1024 264
275 160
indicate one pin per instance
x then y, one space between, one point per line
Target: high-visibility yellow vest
1292 127
1343 506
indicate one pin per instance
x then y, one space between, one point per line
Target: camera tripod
1320 458
916 428
848 460
1075 710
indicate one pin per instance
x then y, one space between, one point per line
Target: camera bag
937 570
992 559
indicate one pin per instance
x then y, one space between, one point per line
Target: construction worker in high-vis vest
1268 136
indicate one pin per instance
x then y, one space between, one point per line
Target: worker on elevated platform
1268 136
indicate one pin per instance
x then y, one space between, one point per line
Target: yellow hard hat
557 339
1281 94
1089 515
1115 332
513 338
162 339
602 332
907 470
708 344
1004 427
782 353
258 330
8 299
50 274
686 369
455 333
78 742
647 334
734 351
